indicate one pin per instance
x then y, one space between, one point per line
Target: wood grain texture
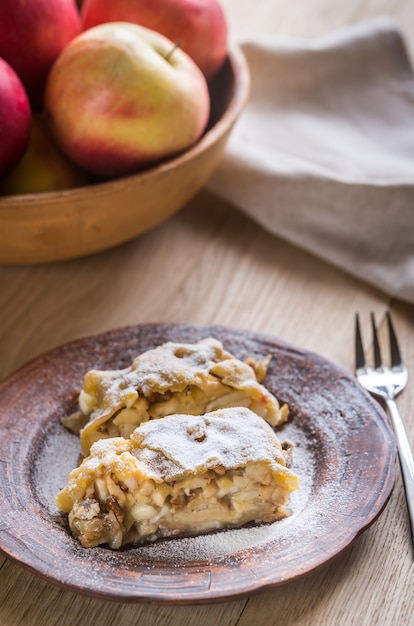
209 264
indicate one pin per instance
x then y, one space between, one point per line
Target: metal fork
386 383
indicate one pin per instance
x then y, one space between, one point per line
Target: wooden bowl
72 223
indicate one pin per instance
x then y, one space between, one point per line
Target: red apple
121 97
199 25
43 167
32 34
15 118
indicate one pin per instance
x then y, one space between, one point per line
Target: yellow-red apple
199 25
43 167
15 118
32 34
121 97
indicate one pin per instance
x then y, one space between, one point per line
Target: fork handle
406 459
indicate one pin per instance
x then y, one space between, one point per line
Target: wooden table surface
211 265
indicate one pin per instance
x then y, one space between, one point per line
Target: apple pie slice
172 378
183 475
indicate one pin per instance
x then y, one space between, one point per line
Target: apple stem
177 44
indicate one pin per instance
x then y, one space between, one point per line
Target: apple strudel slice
172 378
183 475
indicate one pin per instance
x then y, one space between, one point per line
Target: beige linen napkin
323 155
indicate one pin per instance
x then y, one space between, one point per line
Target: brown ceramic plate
344 453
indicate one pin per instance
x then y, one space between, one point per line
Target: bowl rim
237 102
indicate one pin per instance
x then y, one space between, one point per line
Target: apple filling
180 476
171 379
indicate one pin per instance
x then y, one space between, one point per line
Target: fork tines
396 359
395 354
359 348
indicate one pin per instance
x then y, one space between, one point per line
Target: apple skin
200 25
43 167
15 118
120 98
32 34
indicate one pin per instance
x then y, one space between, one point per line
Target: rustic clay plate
345 456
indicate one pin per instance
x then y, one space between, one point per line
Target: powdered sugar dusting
56 459
219 545
60 454
232 437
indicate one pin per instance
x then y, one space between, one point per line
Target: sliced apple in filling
172 378
183 475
